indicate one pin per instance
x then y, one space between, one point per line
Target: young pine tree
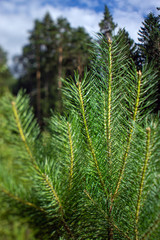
95 175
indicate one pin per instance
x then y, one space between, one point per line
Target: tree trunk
60 60
46 95
38 79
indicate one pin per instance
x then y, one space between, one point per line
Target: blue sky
17 16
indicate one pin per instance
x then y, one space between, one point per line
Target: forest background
55 50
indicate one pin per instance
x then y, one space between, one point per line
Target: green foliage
132 48
149 37
95 175
11 227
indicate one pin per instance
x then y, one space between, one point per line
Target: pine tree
31 65
49 88
80 49
54 50
95 175
107 26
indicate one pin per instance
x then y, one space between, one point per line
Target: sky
17 17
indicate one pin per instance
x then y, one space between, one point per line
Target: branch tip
139 73
148 129
109 41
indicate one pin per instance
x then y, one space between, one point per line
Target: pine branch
42 175
142 181
109 101
22 134
72 156
96 204
105 215
16 198
56 197
89 138
124 234
129 137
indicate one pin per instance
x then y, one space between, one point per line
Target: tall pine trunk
60 60
38 79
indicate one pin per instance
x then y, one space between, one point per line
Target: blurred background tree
6 78
149 47
107 25
54 50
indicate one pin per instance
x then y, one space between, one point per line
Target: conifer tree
107 25
80 45
132 48
149 37
96 173
50 84
54 50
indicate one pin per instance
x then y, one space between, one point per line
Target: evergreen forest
80 133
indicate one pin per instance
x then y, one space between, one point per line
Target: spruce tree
95 174
132 48
149 38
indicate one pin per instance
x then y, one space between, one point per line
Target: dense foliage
95 175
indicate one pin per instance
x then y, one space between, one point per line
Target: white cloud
144 6
130 20
17 19
141 6
130 14
83 17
